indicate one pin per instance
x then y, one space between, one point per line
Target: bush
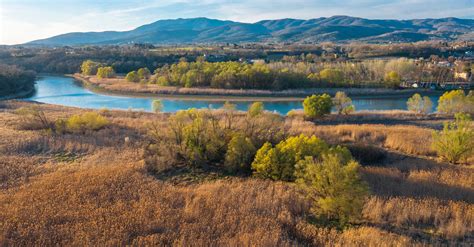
33 118
317 106
343 103
334 187
143 73
419 105
88 121
200 137
278 163
132 77
456 101
105 72
456 141
256 109
239 155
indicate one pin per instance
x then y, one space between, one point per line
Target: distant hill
335 29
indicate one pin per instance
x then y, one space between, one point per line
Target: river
65 91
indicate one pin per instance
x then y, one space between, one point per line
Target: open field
94 188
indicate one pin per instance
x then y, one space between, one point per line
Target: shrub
256 109
419 105
317 106
343 103
334 187
456 101
278 163
33 118
202 138
143 73
132 77
239 155
456 141
88 121
105 72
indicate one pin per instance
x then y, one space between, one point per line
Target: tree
278 163
392 79
419 105
105 72
239 155
89 67
143 73
157 105
132 77
229 113
317 106
332 76
456 101
343 103
256 109
334 187
456 141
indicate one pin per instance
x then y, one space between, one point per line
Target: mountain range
333 29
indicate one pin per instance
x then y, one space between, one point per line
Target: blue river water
65 91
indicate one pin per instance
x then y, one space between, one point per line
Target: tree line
290 75
15 80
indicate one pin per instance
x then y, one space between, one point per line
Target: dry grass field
92 189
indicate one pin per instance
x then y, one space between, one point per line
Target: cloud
25 20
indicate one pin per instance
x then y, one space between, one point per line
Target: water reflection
63 91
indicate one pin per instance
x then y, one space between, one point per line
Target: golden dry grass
93 190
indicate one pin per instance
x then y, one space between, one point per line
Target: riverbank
120 86
19 95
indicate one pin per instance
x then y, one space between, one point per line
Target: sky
26 20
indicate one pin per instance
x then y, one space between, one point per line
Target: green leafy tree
278 163
334 187
256 109
343 104
240 153
332 76
456 101
143 73
105 72
419 105
317 106
455 142
157 105
132 76
89 67
392 79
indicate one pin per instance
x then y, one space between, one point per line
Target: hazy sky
26 20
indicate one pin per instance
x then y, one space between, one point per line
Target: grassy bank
94 189
120 86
